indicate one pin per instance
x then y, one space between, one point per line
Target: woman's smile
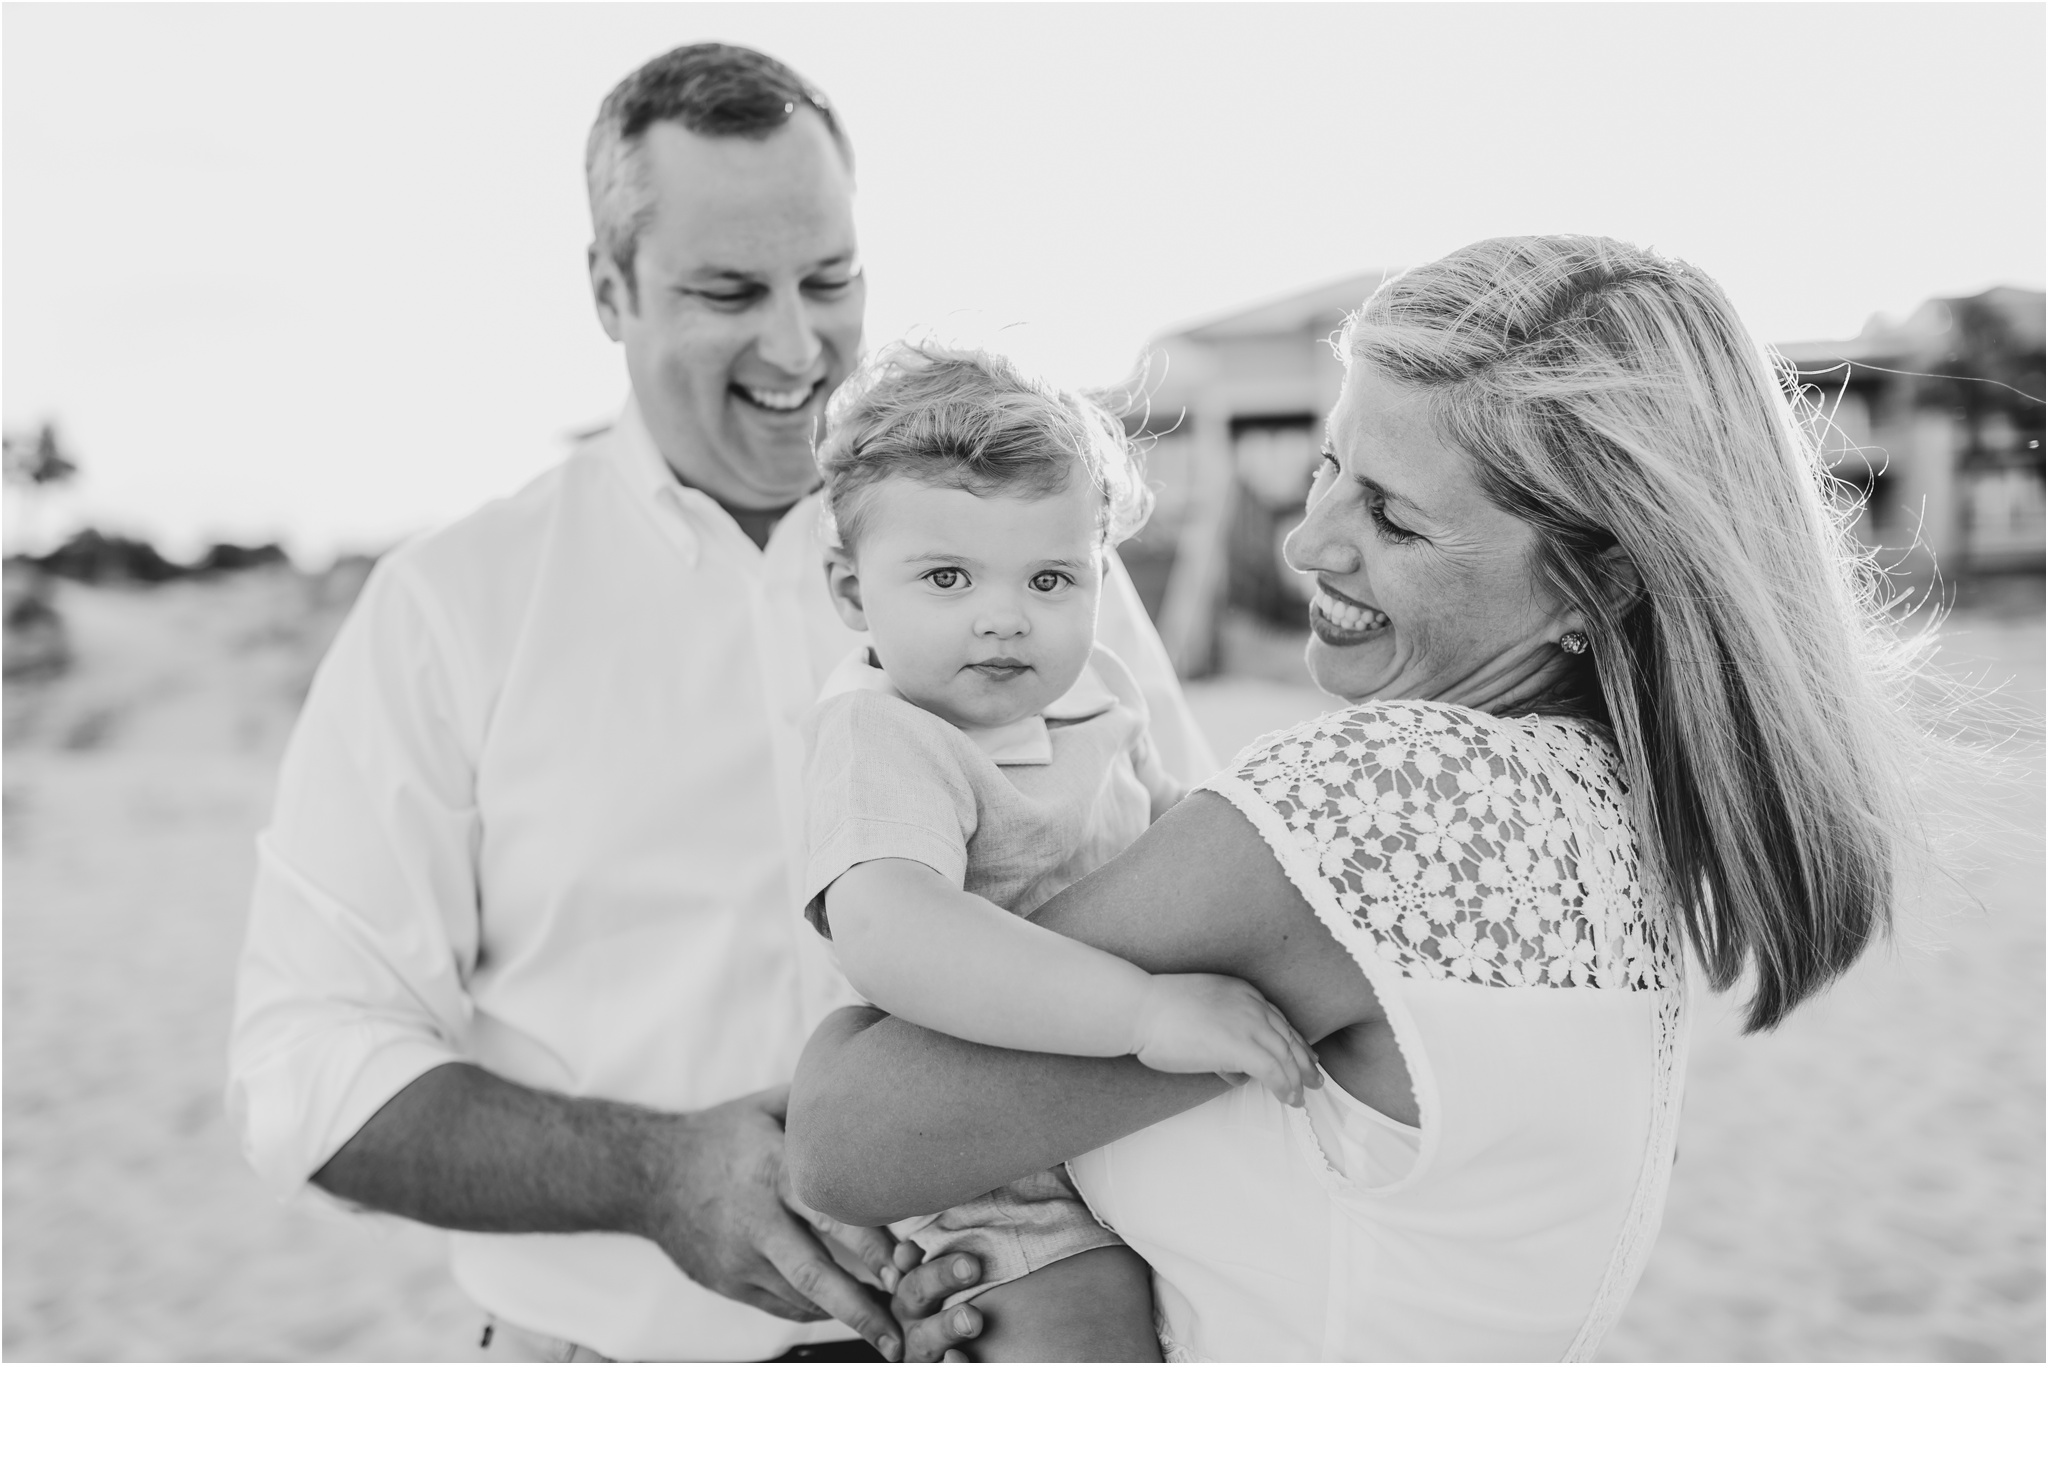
1338 620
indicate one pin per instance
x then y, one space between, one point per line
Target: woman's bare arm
888 1120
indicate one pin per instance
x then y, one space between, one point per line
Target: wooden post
1932 447
1194 592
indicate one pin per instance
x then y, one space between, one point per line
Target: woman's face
1425 588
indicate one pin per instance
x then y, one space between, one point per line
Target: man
524 959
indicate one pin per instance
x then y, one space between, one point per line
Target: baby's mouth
1000 668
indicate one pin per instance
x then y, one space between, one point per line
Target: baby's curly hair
972 420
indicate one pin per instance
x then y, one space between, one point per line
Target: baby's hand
1196 1022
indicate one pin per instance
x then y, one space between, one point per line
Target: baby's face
982 609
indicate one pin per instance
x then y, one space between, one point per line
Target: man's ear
842 583
609 291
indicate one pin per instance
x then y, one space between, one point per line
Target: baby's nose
1002 621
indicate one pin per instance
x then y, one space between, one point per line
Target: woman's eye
1322 475
1047 581
946 579
1388 530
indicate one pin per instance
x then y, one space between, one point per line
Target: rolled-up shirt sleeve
364 921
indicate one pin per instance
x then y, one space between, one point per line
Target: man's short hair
973 420
711 89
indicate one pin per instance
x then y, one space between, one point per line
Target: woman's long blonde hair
1751 670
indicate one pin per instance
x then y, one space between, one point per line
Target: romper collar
1027 742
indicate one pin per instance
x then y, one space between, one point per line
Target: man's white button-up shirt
542 812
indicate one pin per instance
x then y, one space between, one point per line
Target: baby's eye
1047 581
946 578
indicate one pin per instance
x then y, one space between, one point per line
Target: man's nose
789 342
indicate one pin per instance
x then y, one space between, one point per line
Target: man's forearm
463 1149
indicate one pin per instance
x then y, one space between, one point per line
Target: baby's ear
842 583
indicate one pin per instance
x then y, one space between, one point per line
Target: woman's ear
1615 580
1620 580
842 583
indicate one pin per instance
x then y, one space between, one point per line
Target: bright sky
317 273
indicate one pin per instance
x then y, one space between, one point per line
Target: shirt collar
647 472
638 458
1027 742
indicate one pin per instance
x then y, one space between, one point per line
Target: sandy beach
1865 1184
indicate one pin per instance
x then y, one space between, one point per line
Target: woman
1621 688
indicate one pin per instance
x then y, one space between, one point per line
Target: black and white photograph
1349 683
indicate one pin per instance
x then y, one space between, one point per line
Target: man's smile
782 403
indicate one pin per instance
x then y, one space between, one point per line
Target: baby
979 756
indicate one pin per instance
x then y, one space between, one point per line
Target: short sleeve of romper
885 780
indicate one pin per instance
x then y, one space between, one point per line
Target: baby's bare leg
1092 1308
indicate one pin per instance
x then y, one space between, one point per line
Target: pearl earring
1574 643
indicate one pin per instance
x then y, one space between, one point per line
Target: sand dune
1866 1184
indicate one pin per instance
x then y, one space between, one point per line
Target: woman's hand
1197 1022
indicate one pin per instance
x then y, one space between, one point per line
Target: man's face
749 305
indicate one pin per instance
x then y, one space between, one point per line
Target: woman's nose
789 342
1314 545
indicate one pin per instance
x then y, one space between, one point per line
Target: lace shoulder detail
1467 847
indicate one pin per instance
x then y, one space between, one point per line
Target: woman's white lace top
1485 874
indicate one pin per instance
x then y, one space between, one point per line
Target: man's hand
721 1209
1195 1022
933 1332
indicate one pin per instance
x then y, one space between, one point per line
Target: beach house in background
1231 413
1935 426
1949 469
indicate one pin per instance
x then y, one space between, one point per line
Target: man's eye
947 579
827 287
729 299
1047 581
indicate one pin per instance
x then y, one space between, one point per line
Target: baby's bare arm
919 947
